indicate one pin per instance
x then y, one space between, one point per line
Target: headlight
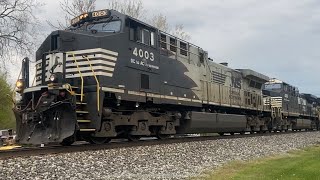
53 78
19 84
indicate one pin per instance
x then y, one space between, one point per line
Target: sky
278 38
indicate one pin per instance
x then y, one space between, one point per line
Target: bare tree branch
133 8
77 7
18 30
160 21
180 33
72 8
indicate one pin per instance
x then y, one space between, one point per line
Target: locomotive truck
112 76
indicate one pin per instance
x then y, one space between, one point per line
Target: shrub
6 115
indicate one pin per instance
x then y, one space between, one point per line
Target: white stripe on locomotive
79 57
93 62
68 76
88 68
91 51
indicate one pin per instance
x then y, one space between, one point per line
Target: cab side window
146 37
142 34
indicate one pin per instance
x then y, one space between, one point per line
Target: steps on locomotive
81 103
83 119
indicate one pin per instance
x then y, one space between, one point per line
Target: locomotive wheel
221 134
162 136
133 138
98 140
68 141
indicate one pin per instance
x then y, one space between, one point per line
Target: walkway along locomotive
110 75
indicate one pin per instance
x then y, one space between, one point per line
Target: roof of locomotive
309 97
250 73
106 14
277 81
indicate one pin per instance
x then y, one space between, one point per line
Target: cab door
144 59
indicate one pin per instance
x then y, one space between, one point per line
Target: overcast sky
279 38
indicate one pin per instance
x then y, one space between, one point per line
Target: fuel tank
202 122
302 124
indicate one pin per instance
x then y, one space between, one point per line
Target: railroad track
57 149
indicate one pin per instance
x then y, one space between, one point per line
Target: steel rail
58 149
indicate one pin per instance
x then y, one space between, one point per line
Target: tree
72 9
180 33
6 114
160 21
18 30
133 8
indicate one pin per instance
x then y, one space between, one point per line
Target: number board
100 13
88 16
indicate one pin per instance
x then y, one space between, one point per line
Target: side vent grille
218 78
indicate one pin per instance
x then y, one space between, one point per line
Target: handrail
176 46
69 89
35 76
13 96
98 84
78 68
172 36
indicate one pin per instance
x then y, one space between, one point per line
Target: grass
296 165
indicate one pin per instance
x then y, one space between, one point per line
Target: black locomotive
110 76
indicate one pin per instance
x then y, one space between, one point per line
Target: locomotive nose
54 68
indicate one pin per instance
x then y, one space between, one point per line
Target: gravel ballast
172 161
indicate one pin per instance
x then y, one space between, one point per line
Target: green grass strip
296 165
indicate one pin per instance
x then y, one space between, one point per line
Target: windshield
113 26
